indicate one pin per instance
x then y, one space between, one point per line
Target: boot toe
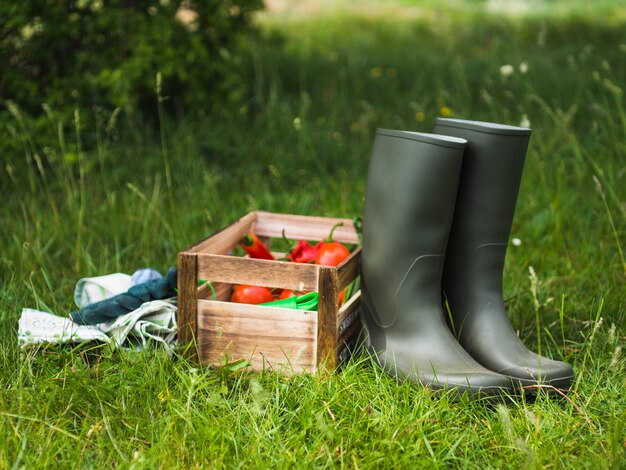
474 383
459 377
548 373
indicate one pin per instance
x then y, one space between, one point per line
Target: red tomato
286 293
245 294
341 295
332 254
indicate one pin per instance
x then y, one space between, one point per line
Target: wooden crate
269 337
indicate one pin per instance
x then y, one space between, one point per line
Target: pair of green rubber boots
438 214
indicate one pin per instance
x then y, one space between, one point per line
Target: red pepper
304 252
253 246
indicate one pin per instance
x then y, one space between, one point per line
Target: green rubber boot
409 203
472 281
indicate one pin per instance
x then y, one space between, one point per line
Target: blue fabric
109 309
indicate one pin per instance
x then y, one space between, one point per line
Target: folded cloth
144 275
93 289
154 320
35 327
108 310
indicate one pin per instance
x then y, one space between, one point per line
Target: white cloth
154 320
36 327
90 290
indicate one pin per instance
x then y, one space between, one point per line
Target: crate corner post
327 317
188 304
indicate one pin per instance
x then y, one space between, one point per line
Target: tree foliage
107 53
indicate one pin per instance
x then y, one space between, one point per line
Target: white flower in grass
507 70
523 68
516 242
524 122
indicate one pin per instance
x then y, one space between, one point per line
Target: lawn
324 79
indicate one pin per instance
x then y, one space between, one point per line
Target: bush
107 53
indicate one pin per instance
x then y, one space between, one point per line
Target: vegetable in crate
326 253
304 252
286 293
253 246
246 294
331 253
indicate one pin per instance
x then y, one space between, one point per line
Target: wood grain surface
328 301
187 303
258 272
303 227
268 337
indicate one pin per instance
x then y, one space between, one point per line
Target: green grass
99 199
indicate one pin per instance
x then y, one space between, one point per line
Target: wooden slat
268 337
187 303
327 317
303 227
346 335
227 238
347 339
348 313
348 325
349 269
239 270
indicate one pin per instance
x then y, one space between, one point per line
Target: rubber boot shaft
472 281
409 203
